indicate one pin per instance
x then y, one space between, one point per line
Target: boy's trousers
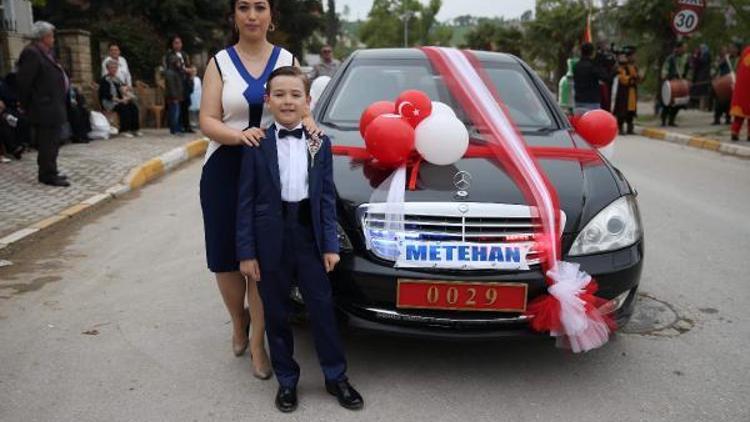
302 262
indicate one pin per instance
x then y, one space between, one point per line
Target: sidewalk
694 129
91 168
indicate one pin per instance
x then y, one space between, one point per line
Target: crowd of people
40 108
608 78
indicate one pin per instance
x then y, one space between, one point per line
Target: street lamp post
406 17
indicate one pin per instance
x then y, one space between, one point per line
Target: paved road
118 320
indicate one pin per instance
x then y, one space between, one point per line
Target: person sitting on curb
118 97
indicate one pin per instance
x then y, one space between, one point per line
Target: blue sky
452 8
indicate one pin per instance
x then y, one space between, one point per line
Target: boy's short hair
288 71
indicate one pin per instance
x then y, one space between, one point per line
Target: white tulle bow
582 330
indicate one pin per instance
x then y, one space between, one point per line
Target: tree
384 26
555 32
496 35
464 20
333 24
300 20
142 27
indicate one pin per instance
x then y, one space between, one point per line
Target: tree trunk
332 24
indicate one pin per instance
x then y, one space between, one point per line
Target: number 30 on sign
685 21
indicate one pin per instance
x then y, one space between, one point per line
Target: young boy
286 229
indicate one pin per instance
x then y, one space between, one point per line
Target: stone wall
11 45
74 53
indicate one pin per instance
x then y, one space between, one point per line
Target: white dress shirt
292 153
123 71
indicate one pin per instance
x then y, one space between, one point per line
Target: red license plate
461 296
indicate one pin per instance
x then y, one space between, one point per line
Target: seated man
9 95
118 97
10 142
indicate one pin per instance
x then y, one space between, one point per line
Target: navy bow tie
296 133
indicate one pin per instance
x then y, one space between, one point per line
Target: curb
135 179
694 141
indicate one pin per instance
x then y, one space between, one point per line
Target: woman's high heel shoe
239 348
264 373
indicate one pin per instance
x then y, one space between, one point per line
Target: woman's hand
330 260
250 269
250 137
312 127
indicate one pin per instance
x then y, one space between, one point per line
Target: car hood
583 190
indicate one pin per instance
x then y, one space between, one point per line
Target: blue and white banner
463 255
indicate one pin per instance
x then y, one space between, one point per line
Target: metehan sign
460 255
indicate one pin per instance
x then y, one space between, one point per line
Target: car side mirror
598 128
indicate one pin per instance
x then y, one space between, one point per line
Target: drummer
676 66
726 64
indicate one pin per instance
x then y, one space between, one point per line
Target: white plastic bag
100 127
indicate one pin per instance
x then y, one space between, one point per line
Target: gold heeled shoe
264 373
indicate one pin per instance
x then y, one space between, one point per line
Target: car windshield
367 82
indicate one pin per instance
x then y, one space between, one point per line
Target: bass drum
675 92
723 87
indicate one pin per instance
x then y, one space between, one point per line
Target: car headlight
615 227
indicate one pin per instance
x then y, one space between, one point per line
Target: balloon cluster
393 130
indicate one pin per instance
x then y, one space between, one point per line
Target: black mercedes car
473 201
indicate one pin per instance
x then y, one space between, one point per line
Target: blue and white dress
242 102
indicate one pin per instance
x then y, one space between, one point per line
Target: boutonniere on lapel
313 146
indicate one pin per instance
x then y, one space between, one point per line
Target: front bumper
365 292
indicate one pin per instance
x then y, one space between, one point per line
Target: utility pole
406 17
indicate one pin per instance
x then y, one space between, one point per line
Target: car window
365 83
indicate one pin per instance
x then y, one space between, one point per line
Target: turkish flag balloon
373 111
414 106
390 139
597 127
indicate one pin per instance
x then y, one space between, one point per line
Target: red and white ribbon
568 311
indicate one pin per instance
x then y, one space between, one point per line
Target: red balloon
597 127
574 118
390 139
414 106
373 111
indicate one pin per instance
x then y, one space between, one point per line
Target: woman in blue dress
231 115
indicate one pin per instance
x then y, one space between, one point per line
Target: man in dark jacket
42 84
587 75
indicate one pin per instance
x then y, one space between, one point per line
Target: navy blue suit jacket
260 224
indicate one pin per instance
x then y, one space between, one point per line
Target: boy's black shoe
347 396
286 399
735 138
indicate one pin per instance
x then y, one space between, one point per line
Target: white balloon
439 108
441 140
317 88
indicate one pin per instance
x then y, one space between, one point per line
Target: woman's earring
272 27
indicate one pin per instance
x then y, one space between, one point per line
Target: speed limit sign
685 21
